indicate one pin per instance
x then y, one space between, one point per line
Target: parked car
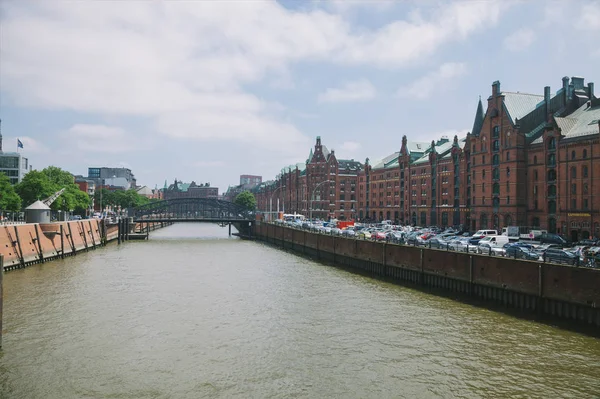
561 256
519 252
437 242
491 249
551 238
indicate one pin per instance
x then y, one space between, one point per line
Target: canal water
193 313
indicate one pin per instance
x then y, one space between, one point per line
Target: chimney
547 94
565 87
591 90
496 88
577 82
570 90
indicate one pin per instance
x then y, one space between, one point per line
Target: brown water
195 314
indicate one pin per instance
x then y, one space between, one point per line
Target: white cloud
102 138
350 146
519 40
590 16
438 80
185 65
360 90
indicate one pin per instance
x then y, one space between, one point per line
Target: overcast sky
209 90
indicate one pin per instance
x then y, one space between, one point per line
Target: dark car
519 252
437 242
560 256
550 238
588 242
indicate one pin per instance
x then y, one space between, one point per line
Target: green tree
123 198
246 199
72 199
34 186
9 199
39 185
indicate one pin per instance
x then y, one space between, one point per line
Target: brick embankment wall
30 243
558 291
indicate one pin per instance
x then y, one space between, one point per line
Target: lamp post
271 203
312 197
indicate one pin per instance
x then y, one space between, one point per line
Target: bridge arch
191 210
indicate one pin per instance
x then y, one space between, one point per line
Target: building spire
479 116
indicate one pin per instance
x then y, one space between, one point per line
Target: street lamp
312 197
271 203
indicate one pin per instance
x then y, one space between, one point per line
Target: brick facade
528 161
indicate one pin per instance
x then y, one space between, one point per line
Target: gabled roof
443 150
583 122
144 190
350 165
520 104
388 162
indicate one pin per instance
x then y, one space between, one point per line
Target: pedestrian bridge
192 210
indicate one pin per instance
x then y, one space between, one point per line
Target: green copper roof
520 104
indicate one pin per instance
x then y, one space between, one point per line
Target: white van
484 233
497 241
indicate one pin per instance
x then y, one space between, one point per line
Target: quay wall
30 243
557 291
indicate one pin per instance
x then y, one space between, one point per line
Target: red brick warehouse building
528 161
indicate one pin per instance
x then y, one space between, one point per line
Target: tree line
39 185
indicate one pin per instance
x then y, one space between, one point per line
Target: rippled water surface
193 313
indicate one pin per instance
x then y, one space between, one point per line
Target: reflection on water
193 313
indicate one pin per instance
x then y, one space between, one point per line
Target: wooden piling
62 242
22 257
38 242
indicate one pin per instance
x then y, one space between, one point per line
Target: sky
209 90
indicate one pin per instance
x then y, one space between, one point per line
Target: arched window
423 218
551 159
483 174
507 172
572 155
535 159
495 145
495 173
495 159
552 190
584 171
551 143
552 175
495 202
444 218
535 175
496 221
496 189
507 220
508 155
573 172
584 154
414 218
